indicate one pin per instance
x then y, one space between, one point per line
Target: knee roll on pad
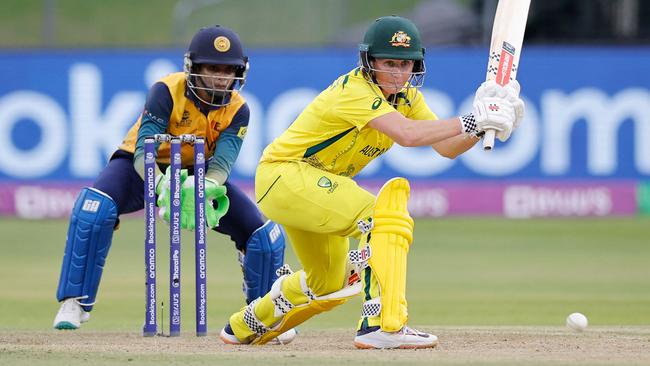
89 238
264 255
390 241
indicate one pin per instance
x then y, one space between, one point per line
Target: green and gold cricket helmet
393 37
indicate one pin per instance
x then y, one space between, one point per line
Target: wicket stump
151 321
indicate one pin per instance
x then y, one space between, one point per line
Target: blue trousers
120 181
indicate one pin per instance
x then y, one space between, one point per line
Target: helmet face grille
218 89
415 80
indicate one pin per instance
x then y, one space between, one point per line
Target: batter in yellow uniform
304 182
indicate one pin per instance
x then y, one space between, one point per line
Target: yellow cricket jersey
186 118
332 133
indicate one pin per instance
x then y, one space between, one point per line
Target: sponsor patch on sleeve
242 132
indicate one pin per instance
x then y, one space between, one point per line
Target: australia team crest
400 39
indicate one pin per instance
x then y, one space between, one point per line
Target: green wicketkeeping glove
164 196
215 195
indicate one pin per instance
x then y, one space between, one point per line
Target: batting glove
511 92
495 113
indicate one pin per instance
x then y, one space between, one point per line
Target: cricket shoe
228 336
375 338
70 315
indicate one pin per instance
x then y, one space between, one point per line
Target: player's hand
488 88
495 113
162 190
511 92
217 202
216 206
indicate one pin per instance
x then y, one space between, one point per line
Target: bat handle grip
488 140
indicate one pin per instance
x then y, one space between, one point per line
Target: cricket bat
505 47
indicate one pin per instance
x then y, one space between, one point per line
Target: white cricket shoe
70 315
228 336
375 338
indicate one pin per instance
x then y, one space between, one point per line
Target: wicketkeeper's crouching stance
203 100
304 182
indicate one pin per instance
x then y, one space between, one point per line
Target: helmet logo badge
400 39
222 44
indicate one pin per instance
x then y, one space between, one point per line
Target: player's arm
155 119
454 146
497 110
485 94
228 146
450 147
408 132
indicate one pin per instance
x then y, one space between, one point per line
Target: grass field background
496 291
150 23
463 271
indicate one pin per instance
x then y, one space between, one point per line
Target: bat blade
505 48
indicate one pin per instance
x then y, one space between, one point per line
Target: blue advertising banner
62 113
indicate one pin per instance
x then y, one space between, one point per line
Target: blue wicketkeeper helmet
215 45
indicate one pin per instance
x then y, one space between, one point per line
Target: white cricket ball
577 322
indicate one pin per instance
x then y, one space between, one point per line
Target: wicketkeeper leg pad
89 238
264 256
390 240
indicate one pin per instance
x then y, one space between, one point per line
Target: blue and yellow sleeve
154 120
155 116
228 146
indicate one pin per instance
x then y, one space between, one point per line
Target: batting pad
301 313
390 241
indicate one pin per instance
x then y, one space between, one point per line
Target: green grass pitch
462 272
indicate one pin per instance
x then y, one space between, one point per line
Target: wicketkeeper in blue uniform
204 100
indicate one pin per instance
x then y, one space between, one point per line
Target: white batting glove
495 113
511 92
490 88
512 89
